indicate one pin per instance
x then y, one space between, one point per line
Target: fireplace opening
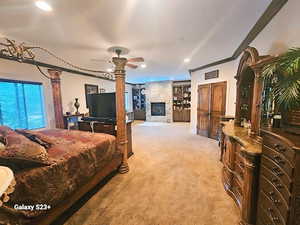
158 109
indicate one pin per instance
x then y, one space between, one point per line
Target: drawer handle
277 172
279 148
278 159
275 219
276 184
271 195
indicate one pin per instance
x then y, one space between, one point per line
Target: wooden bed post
120 108
57 100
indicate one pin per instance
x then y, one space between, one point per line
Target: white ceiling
164 32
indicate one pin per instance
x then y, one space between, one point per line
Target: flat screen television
103 105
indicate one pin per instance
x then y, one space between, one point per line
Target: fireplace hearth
158 109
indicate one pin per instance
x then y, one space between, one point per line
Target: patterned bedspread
77 157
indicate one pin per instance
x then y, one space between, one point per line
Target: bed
76 161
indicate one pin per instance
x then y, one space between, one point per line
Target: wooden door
203 110
217 107
211 105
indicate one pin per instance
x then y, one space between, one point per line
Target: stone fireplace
159 97
158 109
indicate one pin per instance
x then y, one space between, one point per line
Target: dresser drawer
277 182
264 217
279 159
227 177
279 146
270 197
237 190
268 212
277 170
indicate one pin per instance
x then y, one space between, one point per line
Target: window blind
21 105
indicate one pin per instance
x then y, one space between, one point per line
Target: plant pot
291 121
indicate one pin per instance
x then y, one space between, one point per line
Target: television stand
100 119
107 127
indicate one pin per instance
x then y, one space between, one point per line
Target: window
21 105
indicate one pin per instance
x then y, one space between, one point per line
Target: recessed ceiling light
143 65
109 70
186 60
43 6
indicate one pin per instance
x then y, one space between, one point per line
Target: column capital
120 64
54 74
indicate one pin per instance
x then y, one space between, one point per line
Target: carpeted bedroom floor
174 179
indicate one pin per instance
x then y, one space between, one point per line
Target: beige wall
72 86
279 35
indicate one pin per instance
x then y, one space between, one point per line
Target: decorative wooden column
256 102
120 108
57 100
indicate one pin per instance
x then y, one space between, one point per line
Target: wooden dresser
241 158
279 181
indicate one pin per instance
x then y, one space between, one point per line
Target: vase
77 105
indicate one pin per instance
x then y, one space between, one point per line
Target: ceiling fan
122 51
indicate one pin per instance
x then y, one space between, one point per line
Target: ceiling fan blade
137 59
132 66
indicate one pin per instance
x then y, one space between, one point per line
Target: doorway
211 106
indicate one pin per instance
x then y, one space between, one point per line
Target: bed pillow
3 132
20 153
33 136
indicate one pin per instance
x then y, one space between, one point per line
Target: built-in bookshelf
181 101
139 102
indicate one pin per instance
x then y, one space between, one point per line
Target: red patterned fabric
78 156
20 152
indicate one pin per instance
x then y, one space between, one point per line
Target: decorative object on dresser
279 189
90 89
211 106
181 101
77 105
139 102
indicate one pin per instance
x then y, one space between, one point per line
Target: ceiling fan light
143 66
187 60
43 6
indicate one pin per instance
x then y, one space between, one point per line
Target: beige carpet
174 179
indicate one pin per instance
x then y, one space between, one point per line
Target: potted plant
284 73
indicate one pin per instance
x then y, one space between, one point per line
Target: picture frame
90 89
